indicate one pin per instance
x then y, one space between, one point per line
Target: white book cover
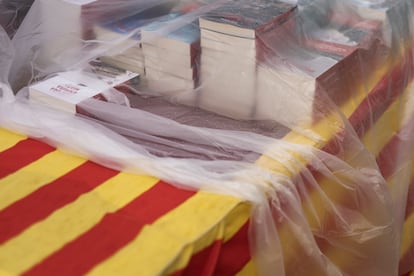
61 93
69 88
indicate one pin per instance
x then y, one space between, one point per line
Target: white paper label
65 90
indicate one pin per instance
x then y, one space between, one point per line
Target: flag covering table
62 214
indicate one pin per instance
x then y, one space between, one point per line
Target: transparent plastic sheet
393 151
12 13
6 54
317 191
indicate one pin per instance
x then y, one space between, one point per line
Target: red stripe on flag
41 203
407 262
22 154
388 158
204 262
221 259
380 98
397 151
410 200
235 253
112 233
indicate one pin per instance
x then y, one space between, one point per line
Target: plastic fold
302 109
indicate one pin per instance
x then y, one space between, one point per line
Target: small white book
67 89
60 93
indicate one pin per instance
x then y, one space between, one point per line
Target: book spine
279 21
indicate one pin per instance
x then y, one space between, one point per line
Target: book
339 59
63 27
188 73
171 49
163 83
395 16
228 43
231 46
123 37
124 63
156 55
285 89
357 49
183 39
227 84
329 64
67 89
60 93
135 60
123 28
246 18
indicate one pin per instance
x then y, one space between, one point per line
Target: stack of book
395 15
65 25
312 83
171 50
122 38
231 46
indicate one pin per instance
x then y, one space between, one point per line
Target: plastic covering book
184 40
246 18
281 144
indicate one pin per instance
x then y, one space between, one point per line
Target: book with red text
67 89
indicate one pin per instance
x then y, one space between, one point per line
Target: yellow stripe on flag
387 125
45 237
363 90
168 244
9 139
326 128
407 240
248 270
4 273
35 175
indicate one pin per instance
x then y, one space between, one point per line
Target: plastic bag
288 118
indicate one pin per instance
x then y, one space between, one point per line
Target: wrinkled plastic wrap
12 13
309 118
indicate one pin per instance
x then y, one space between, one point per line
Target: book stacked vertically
125 34
171 55
231 46
122 36
311 83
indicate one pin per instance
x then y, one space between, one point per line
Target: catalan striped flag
64 215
